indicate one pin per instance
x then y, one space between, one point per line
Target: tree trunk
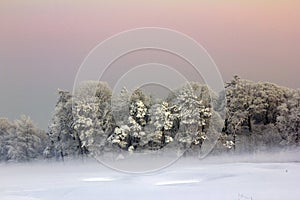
234 140
81 151
62 156
267 121
225 128
249 123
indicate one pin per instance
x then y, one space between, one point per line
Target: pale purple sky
42 44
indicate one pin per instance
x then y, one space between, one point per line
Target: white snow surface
212 178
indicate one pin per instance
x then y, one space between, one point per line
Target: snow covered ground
213 178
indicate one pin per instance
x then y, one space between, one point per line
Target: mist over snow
272 175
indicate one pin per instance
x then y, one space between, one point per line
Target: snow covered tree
120 107
161 116
243 103
21 140
63 140
163 125
7 130
132 130
121 137
139 106
288 121
251 104
26 142
268 97
29 143
194 104
93 121
132 116
240 103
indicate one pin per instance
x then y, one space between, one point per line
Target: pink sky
42 44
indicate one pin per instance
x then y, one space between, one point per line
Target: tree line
254 116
